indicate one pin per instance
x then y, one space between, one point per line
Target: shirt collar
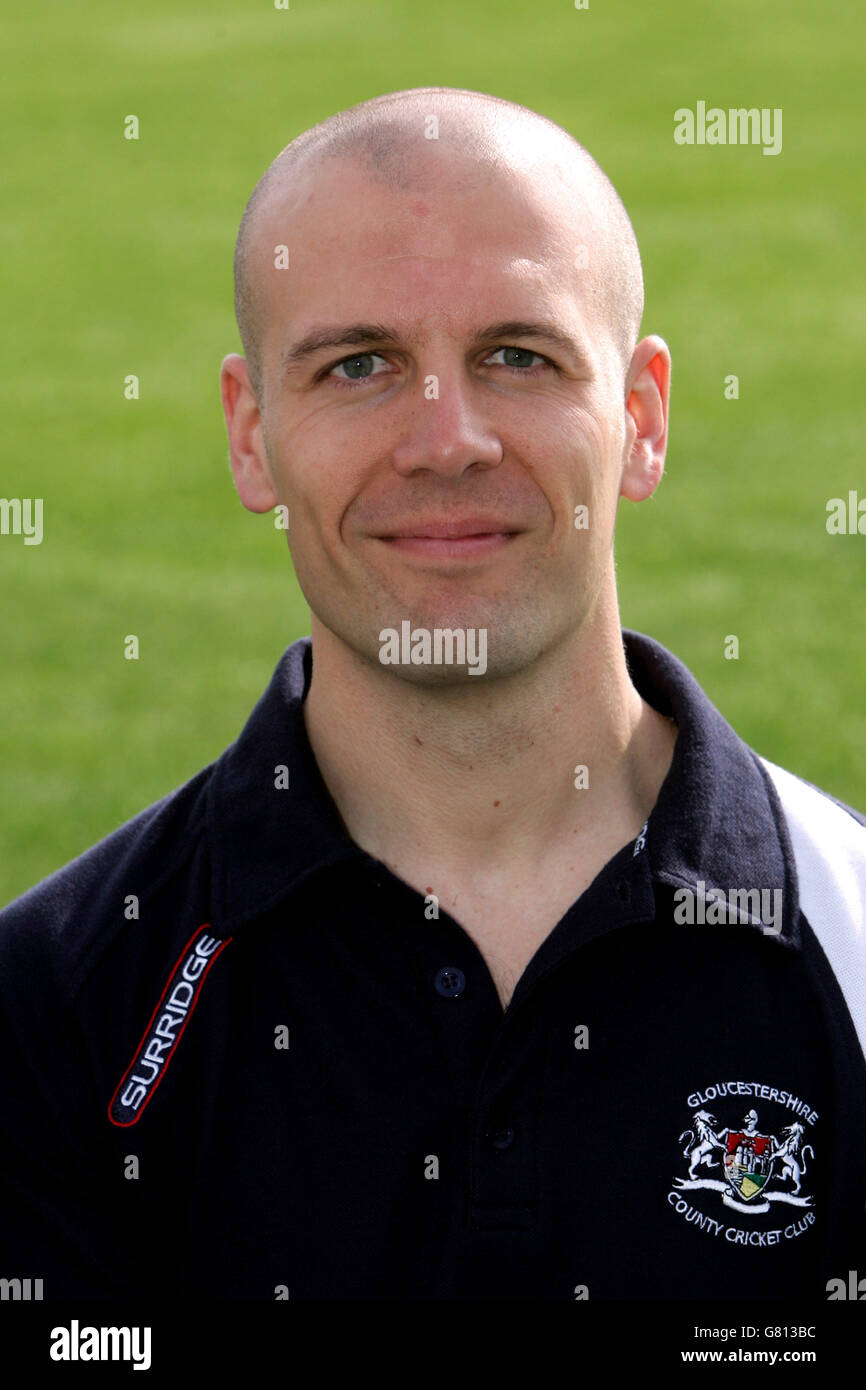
717 819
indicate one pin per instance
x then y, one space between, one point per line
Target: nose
447 431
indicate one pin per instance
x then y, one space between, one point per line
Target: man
451 977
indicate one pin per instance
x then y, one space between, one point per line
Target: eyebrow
378 335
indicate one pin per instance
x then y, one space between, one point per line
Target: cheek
578 470
316 470
596 423
572 457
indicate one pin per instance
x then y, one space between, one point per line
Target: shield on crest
747 1163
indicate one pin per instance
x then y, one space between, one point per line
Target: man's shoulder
64 920
820 819
828 842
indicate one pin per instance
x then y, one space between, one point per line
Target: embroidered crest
752 1165
746 1166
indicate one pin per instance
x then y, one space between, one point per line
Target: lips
472 527
470 540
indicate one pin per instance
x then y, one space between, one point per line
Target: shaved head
436 140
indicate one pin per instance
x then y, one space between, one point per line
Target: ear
246 443
647 398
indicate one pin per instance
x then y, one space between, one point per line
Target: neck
481 777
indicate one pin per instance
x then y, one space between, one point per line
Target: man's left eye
514 352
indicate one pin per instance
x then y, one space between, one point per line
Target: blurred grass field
116 258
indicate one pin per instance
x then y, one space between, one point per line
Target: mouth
469 539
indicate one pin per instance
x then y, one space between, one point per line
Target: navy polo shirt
243 1060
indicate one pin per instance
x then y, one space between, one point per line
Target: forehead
455 238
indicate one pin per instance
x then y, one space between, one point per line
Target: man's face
453 426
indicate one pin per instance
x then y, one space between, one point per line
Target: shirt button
501 1138
450 981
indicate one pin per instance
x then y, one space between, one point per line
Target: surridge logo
167 1023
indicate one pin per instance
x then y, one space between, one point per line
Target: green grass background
116 258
